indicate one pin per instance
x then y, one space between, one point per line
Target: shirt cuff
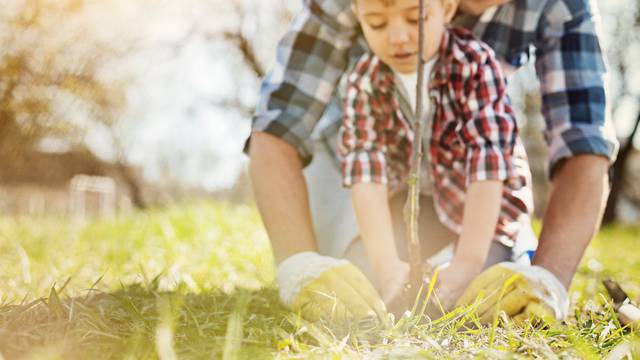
489 163
364 167
580 140
273 127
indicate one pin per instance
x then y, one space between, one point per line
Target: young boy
474 169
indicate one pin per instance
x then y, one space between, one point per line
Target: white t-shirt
409 82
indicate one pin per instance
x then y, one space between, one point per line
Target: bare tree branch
233 104
246 49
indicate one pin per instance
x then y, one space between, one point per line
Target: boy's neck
427 64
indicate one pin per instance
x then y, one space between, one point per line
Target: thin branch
234 104
246 49
412 206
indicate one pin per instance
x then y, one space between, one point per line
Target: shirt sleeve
310 58
571 69
362 139
489 128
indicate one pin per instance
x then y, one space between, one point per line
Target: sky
171 126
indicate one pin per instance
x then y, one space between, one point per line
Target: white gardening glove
521 291
330 289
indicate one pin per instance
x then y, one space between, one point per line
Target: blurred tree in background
171 86
50 82
623 52
53 86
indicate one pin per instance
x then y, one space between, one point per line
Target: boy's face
391 29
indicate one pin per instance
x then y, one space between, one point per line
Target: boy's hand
452 281
393 280
330 289
521 291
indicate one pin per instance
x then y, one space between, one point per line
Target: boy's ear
450 8
354 8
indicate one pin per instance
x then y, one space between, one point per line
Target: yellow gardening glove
330 289
521 291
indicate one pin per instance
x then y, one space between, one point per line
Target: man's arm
303 275
310 59
578 197
281 194
314 48
571 69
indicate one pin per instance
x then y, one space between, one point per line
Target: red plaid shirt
474 135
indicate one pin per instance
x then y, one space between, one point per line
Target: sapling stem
412 206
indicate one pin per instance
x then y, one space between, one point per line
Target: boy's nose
398 35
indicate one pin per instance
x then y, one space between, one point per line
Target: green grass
196 282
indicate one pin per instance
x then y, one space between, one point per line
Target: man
296 124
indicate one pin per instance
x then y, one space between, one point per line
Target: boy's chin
405 68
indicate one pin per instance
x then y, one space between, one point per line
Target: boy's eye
377 26
413 17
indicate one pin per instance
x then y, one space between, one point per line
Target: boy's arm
489 133
371 205
364 134
481 210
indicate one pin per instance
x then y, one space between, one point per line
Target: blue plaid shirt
299 92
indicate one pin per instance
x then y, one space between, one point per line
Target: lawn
196 282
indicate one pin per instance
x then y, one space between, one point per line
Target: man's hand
521 291
330 289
